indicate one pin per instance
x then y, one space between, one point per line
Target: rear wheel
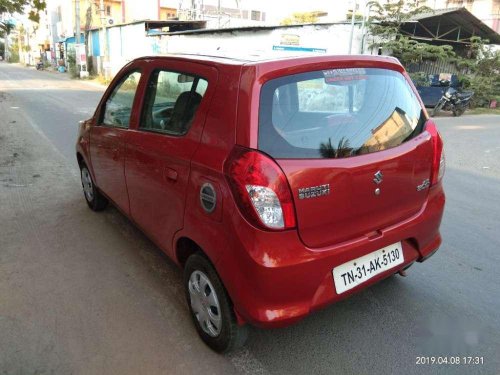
458 111
210 306
95 200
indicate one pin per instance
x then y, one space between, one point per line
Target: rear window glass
337 113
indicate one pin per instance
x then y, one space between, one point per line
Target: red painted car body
273 276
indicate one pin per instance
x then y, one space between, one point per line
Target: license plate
357 271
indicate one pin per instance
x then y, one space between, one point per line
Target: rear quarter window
337 113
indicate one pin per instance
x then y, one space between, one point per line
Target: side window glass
171 102
118 107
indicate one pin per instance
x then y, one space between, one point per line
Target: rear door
352 146
160 149
107 138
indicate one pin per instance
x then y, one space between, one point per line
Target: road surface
86 293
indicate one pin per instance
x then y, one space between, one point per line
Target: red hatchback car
279 185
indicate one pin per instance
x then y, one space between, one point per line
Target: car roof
224 58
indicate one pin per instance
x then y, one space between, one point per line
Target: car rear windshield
337 113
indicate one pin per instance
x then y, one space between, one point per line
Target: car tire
94 198
210 306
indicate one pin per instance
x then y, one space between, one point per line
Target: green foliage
485 89
385 26
411 51
90 66
343 149
18 6
5 28
389 16
357 16
482 65
420 79
71 59
299 18
14 52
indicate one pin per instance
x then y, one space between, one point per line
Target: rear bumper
274 280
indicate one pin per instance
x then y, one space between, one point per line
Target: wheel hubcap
87 184
204 303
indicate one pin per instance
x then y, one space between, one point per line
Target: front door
159 151
107 139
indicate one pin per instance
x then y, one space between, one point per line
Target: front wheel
437 108
210 306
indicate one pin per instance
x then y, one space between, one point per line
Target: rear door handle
170 174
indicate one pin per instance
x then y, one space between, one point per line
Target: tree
300 18
88 25
18 6
482 64
385 27
343 149
5 30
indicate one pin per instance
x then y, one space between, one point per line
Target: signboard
290 40
299 49
80 56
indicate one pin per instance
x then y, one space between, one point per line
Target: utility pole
366 16
77 22
104 44
352 26
6 46
218 14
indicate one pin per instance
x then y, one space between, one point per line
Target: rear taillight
260 189
438 161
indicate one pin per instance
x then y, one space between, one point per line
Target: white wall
333 39
129 42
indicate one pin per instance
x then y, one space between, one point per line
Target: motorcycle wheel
437 108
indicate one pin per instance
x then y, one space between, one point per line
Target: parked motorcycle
452 100
39 65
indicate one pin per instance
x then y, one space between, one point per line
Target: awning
450 26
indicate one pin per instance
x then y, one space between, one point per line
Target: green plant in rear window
343 149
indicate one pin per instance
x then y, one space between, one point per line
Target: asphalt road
87 293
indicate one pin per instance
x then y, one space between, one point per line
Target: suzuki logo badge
378 177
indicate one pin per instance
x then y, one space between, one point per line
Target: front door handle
170 174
